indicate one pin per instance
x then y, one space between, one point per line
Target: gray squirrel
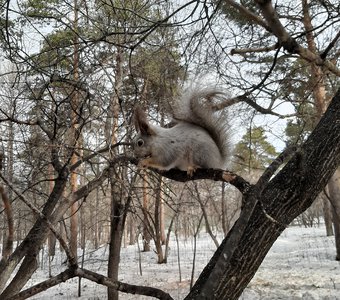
200 138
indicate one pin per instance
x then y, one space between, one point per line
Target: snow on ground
300 265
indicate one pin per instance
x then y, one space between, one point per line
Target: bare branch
254 50
287 41
43 286
245 98
274 25
95 153
95 277
213 174
249 15
324 54
123 287
90 186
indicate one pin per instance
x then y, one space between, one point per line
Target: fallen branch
74 271
43 286
123 287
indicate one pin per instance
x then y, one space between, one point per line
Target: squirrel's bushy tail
195 106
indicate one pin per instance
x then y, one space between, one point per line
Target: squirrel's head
145 134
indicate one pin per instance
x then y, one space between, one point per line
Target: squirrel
199 139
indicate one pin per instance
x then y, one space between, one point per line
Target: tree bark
328 216
51 237
118 214
157 237
224 212
269 209
162 221
319 94
334 193
145 206
30 246
74 136
8 242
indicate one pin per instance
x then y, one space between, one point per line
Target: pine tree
253 151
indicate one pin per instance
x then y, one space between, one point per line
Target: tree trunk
9 237
327 216
319 93
74 138
334 191
145 206
117 228
30 247
157 237
224 212
162 221
118 214
51 237
269 207
74 218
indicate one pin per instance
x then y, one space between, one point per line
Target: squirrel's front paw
145 163
191 169
142 164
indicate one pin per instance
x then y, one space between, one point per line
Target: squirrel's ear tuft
141 122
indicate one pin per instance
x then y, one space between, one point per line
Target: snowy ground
300 265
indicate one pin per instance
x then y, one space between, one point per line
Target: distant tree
253 151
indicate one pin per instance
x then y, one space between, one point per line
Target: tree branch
63 243
249 15
43 286
274 26
95 277
287 41
254 50
91 185
324 53
245 98
213 174
123 287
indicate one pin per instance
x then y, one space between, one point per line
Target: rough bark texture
334 193
157 237
319 93
8 243
117 207
268 210
118 215
29 248
145 207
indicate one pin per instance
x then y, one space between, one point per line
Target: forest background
71 74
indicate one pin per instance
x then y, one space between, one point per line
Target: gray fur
199 139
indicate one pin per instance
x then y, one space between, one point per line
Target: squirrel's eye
140 143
